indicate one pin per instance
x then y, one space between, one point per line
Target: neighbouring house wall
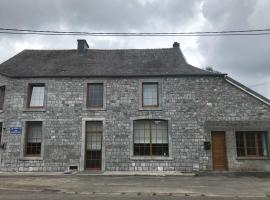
186 102
3 82
230 127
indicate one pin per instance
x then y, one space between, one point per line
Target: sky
244 58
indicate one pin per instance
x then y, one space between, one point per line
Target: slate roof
100 63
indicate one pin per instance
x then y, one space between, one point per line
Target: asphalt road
15 195
27 186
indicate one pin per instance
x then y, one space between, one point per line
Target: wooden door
93 154
219 151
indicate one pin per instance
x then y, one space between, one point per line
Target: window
150 95
95 95
1 131
2 97
33 138
150 138
36 96
252 144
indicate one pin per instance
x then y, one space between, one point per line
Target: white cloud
244 58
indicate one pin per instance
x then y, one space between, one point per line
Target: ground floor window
252 144
33 138
1 130
150 138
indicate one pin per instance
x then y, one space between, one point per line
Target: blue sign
15 130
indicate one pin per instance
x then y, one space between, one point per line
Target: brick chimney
176 45
82 47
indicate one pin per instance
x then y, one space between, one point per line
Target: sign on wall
15 130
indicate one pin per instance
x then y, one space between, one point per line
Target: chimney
82 47
176 45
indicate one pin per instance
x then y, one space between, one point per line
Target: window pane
240 144
159 132
93 141
251 143
251 146
37 96
1 131
263 144
33 138
95 95
2 97
160 149
93 135
150 94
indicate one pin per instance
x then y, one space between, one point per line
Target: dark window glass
150 138
1 131
33 138
240 144
95 95
36 96
252 144
150 94
2 97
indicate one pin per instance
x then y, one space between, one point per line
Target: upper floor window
36 95
150 95
150 138
33 138
252 144
2 97
95 95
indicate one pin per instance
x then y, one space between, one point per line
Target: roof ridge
95 49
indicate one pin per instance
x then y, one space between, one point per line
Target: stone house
127 110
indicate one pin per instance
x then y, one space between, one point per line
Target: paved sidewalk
210 186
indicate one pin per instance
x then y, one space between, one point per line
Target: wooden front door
93 154
219 151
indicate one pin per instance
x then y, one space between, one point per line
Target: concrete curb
119 193
31 173
258 174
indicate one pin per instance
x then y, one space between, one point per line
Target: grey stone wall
188 103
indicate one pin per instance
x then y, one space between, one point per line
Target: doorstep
31 173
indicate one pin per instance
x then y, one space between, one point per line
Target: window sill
149 108
34 110
252 158
31 158
94 109
151 158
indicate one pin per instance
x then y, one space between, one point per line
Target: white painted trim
82 158
241 88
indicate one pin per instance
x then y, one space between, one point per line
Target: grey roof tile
100 63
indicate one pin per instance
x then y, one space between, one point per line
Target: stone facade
193 105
